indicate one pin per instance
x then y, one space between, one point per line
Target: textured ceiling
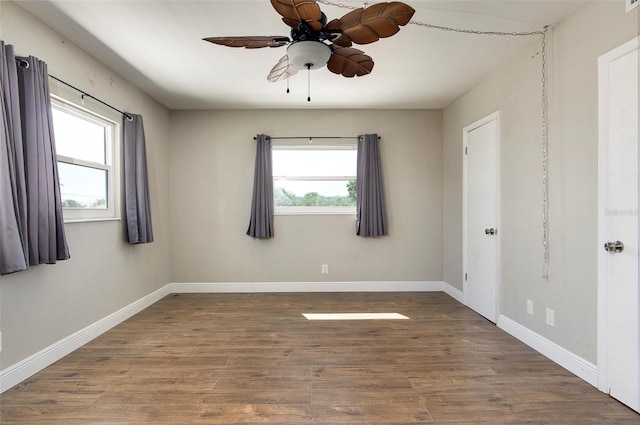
157 46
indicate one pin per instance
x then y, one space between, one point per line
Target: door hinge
465 276
465 150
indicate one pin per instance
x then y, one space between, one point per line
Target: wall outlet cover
550 317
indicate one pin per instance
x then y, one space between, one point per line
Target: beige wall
47 303
212 159
575 45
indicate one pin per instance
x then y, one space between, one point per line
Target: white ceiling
157 46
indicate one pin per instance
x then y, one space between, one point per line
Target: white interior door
618 361
481 215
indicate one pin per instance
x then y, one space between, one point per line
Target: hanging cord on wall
545 159
545 114
443 28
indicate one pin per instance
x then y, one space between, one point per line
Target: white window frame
111 165
313 210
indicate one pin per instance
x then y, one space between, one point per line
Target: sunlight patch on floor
354 316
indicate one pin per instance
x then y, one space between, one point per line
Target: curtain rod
311 137
24 64
129 116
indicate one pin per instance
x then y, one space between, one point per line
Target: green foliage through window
284 198
72 203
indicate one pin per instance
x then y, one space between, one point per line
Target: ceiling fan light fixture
308 54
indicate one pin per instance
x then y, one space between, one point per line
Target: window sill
315 211
84 220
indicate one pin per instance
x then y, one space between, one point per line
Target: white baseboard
250 287
33 364
453 292
565 358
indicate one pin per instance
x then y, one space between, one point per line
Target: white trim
310 144
258 287
565 358
85 220
495 116
282 210
33 364
601 255
453 292
111 166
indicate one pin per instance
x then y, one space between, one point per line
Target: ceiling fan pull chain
308 82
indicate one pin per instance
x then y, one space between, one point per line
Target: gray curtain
13 200
31 214
136 181
46 239
371 216
261 223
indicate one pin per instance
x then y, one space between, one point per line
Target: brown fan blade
257 42
294 11
334 27
349 62
282 70
364 26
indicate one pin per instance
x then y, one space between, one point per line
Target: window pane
320 177
82 187
78 138
333 193
314 162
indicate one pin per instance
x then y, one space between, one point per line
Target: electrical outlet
551 317
529 307
325 269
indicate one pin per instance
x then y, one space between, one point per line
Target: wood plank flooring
253 359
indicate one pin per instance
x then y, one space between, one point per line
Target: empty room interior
500 249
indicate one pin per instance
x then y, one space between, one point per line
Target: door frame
602 256
495 116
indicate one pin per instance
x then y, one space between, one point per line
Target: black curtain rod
24 64
311 137
129 116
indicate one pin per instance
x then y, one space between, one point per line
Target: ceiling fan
315 43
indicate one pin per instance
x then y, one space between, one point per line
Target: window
314 179
86 145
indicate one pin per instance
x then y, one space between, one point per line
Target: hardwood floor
253 359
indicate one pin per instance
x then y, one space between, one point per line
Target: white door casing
618 295
481 215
